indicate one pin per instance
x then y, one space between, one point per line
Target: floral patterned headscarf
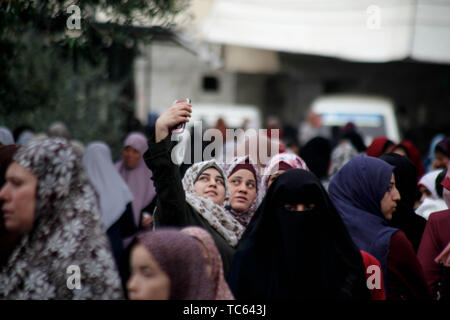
342 154
216 215
67 233
291 159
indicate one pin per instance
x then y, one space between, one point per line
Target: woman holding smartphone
198 198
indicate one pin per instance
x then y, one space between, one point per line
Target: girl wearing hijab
168 264
405 218
355 139
300 248
428 162
277 165
379 146
245 189
442 154
198 198
365 196
138 177
114 195
316 153
49 200
430 200
342 154
408 149
213 262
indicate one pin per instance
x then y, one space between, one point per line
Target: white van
373 115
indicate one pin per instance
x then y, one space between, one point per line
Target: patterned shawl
291 159
67 232
342 154
215 214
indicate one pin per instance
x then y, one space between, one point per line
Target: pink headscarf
222 290
290 159
138 179
180 256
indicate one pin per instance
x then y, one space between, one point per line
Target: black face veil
298 254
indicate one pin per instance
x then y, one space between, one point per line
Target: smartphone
180 127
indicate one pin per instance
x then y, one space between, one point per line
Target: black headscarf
356 140
317 153
295 255
404 218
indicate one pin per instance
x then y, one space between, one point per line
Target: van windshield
369 125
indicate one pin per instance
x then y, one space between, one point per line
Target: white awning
358 30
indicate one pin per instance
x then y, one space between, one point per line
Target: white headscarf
113 191
429 181
429 206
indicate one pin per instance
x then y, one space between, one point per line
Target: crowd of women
341 221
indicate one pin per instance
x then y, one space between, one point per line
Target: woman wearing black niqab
317 155
300 249
404 217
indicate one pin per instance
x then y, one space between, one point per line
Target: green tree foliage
84 77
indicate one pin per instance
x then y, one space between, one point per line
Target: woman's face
147 281
210 184
389 201
273 177
425 193
242 186
131 157
401 152
19 198
441 161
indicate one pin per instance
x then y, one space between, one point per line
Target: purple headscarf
444 146
181 257
357 190
138 179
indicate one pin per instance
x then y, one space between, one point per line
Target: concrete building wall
167 72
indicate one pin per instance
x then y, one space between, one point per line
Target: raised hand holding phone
180 127
176 115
